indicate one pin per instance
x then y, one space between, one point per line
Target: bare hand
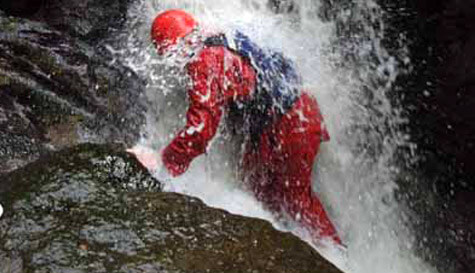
149 158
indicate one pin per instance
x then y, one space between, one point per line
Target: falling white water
351 76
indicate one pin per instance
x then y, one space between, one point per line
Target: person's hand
149 158
152 160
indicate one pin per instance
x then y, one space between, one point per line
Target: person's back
279 153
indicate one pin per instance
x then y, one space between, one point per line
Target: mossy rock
96 209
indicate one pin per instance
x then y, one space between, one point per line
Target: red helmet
170 26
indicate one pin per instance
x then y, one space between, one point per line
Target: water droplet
1 210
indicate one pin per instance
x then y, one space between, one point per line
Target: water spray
350 73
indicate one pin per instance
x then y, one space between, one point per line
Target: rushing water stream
346 67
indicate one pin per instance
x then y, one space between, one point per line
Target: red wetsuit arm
203 115
219 77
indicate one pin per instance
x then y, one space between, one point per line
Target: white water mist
351 76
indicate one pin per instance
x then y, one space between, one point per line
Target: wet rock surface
89 20
57 91
437 95
21 7
95 209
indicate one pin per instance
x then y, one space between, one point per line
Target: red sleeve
203 115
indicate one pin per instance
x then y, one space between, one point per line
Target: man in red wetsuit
280 151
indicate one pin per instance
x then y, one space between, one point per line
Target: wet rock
94 209
56 91
21 7
437 96
460 225
89 20
282 6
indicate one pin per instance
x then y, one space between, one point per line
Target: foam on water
351 76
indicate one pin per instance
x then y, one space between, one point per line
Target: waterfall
339 49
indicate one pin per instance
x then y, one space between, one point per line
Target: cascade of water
344 64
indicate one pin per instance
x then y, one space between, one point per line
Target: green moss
4 80
9 25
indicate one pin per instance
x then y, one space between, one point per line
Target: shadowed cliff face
456 82
438 97
21 7
442 42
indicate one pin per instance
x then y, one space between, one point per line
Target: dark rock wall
90 20
59 84
439 101
21 7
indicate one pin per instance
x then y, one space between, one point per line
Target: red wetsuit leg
281 167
